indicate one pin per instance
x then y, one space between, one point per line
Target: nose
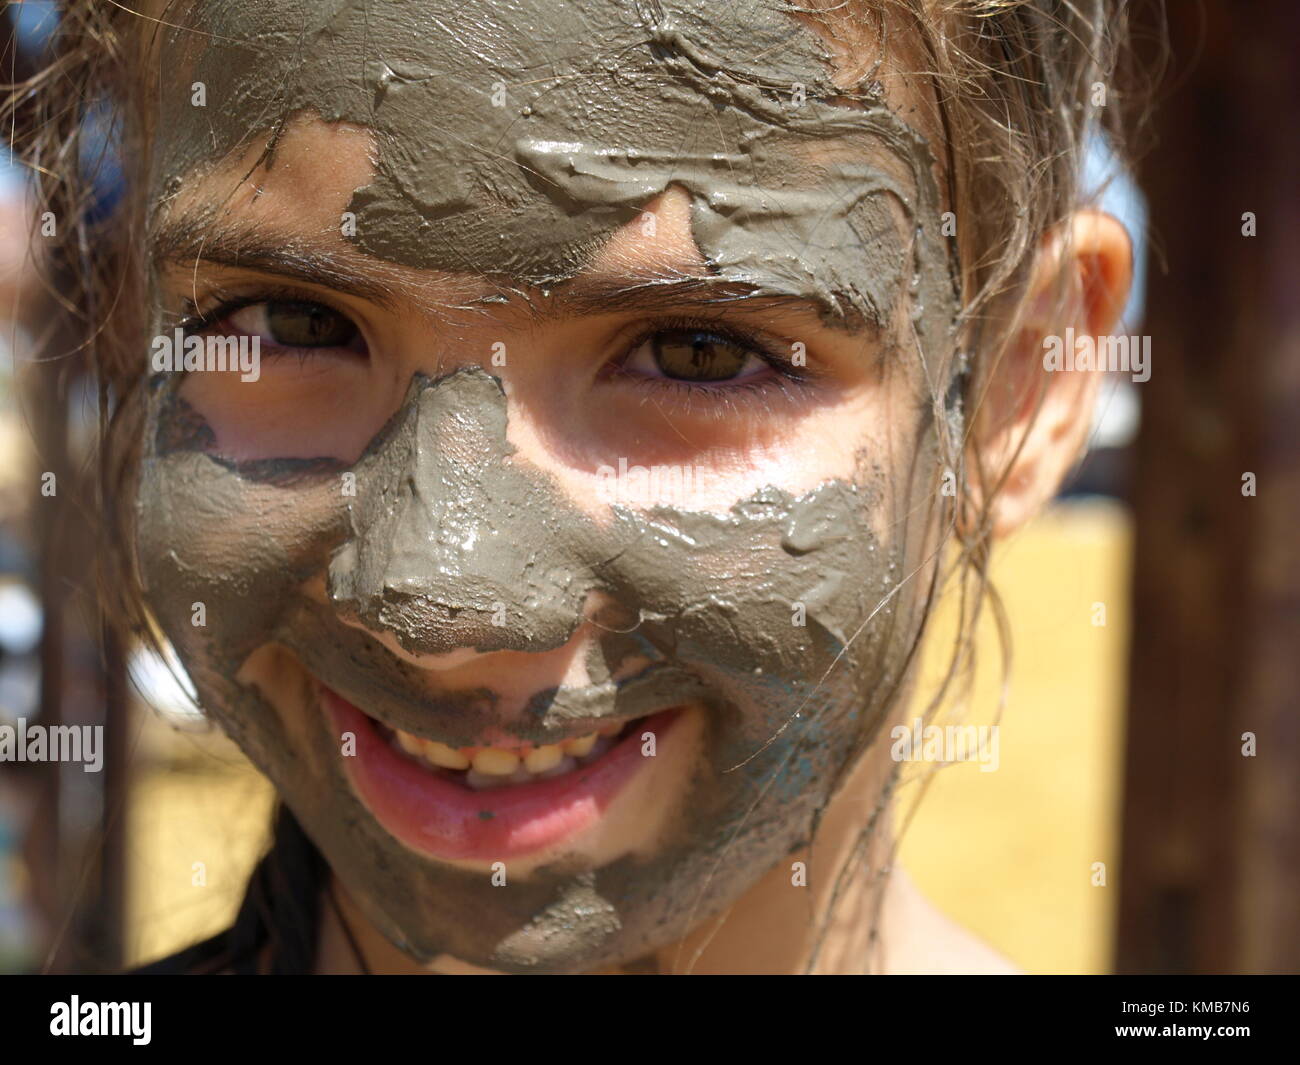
454 542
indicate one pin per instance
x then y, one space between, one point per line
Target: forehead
515 137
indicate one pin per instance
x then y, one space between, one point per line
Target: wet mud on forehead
513 137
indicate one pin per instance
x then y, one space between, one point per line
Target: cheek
330 407
833 619
221 552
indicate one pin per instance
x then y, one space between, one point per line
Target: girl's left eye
297 324
694 356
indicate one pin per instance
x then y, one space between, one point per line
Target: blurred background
1145 813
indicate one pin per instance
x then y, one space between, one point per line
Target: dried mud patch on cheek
223 555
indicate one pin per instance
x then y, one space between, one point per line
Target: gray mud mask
447 525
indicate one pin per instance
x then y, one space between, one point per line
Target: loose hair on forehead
1014 87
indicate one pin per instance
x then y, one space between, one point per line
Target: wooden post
1210 861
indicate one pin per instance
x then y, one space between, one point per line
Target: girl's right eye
306 394
292 325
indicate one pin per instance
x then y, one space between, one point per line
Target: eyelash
196 321
786 382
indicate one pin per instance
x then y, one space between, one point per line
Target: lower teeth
483 781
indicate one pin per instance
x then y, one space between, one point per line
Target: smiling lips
488 803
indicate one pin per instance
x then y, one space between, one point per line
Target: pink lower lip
446 820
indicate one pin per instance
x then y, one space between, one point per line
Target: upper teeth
488 765
437 753
540 759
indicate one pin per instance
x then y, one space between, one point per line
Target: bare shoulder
920 939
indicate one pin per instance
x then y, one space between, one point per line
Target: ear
1031 422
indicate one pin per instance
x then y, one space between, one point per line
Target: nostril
610 615
483 619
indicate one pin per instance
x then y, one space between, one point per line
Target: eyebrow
664 291
194 238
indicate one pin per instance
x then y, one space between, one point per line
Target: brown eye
697 355
308 325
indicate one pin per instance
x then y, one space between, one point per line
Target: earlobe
1032 413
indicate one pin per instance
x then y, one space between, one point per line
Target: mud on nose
465 613
453 544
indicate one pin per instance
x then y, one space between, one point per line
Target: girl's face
599 355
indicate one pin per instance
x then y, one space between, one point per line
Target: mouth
490 803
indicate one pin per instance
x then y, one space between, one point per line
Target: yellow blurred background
1011 854
1008 854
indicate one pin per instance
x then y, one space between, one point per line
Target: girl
543 431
